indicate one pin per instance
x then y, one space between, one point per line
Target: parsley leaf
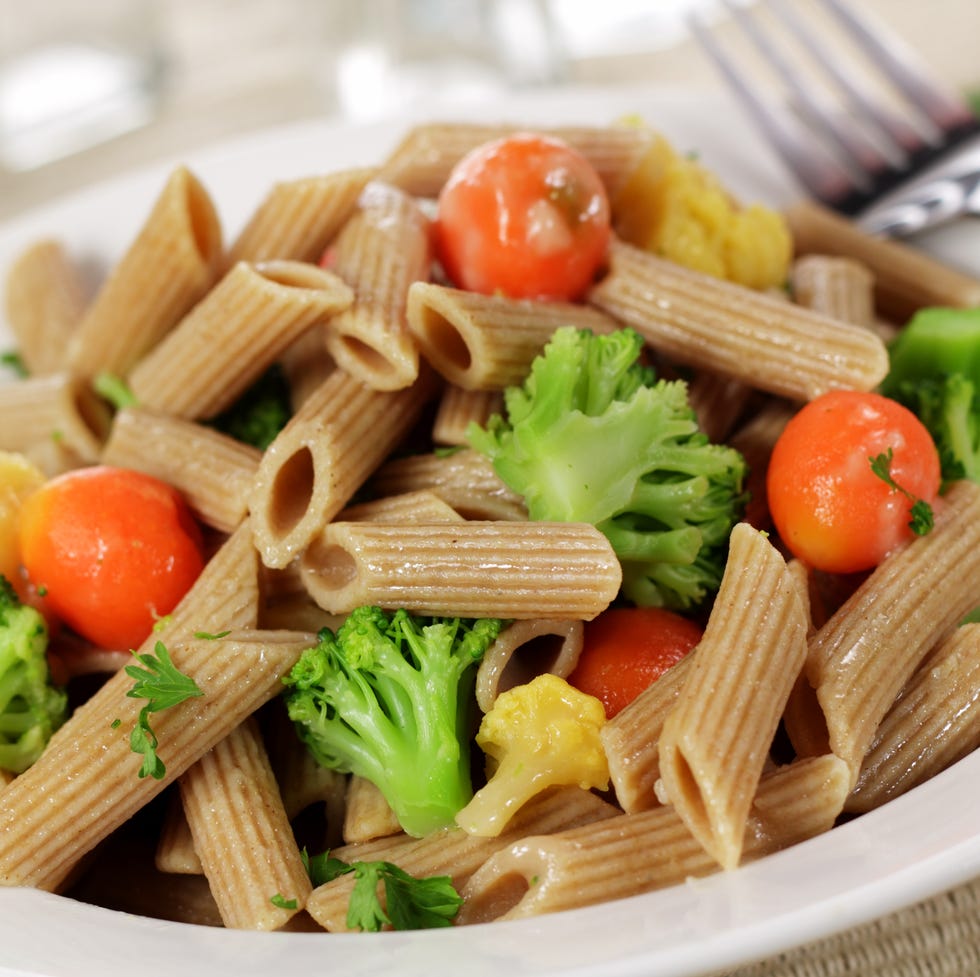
115 390
409 903
921 522
163 685
281 902
14 362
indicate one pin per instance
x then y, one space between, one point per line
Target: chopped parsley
921 522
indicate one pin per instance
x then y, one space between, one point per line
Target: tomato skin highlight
829 508
526 216
626 649
112 550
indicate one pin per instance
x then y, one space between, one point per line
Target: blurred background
88 89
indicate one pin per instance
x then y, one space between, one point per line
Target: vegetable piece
31 708
163 685
829 504
538 735
593 437
626 649
113 549
525 215
675 207
19 477
410 903
388 697
260 413
935 372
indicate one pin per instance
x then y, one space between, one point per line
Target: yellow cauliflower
18 478
674 207
538 735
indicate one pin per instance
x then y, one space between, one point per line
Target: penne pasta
171 264
458 408
841 288
368 815
772 345
317 462
228 340
297 219
467 569
487 342
716 737
381 250
175 852
44 301
242 834
634 853
905 278
214 472
858 662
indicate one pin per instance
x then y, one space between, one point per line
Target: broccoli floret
593 436
539 735
935 372
388 697
31 708
260 413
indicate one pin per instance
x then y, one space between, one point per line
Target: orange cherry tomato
827 503
526 216
626 649
111 549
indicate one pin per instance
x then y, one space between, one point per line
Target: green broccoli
31 708
260 413
593 436
935 372
388 697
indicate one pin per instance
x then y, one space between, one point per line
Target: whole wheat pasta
45 299
242 834
698 320
57 419
452 851
322 456
89 773
421 163
836 286
464 479
525 649
380 251
226 342
368 814
906 279
715 739
631 740
175 851
305 364
935 722
297 219
484 342
458 408
170 265
635 853
718 402
469 569
213 471
420 506
858 662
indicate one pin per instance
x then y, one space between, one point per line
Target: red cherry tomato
526 216
829 506
626 649
111 549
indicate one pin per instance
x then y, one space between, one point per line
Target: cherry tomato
626 649
526 216
829 506
111 549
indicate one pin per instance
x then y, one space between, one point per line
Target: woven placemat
936 938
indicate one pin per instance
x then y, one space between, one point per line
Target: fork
896 170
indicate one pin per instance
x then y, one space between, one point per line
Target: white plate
913 847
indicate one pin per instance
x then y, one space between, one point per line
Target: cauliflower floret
538 735
18 478
676 208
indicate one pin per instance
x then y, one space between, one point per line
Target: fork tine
854 146
942 107
822 176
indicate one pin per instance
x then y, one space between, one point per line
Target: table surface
227 82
